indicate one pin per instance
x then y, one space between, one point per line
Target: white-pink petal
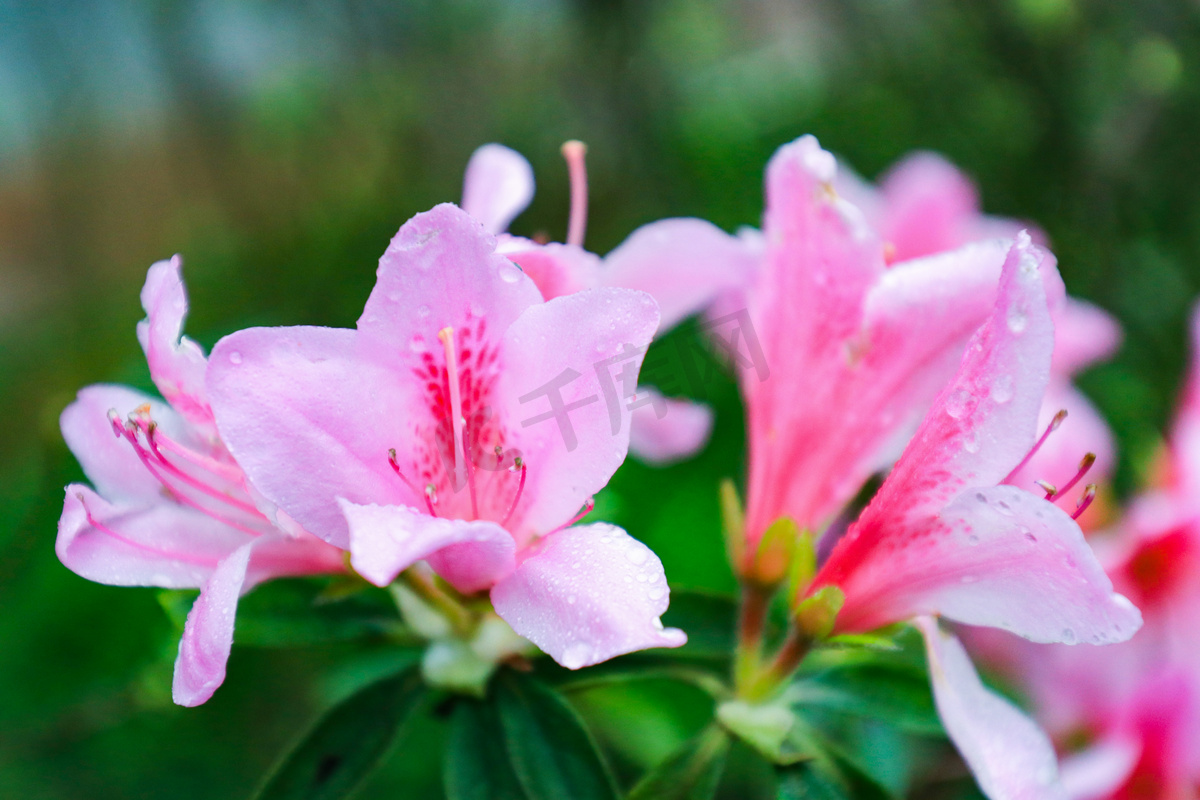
665 430
1009 755
208 633
587 594
386 540
498 185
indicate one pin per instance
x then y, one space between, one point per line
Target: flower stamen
1089 495
1053 426
1084 465
518 463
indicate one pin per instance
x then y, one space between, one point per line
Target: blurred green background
278 146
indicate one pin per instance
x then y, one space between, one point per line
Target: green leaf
477 765
897 696
708 619
690 773
552 753
636 668
807 781
347 742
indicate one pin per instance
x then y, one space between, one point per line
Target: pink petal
587 594
163 544
498 186
1083 335
683 263
1097 772
110 462
996 556
441 269
308 420
176 362
208 633
386 540
929 206
585 348
666 430
556 269
1008 754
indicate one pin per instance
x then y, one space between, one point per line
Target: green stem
786 660
424 586
751 621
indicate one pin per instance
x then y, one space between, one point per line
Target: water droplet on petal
636 555
423 311
971 442
235 357
510 272
956 403
1002 389
1068 636
1018 318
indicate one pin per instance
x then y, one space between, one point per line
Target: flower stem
751 620
425 587
787 659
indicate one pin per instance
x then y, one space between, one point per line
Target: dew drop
235 357
655 593
956 403
971 443
1004 508
636 555
571 599
510 272
423 311
972 538
1068 636
1029 537
1017 319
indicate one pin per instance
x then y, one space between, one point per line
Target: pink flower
925 205
171 507
946 535
856 351
464 423
685 264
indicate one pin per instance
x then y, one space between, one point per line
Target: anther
1089 495
1047 487
395 465
574 151
431 498
1051 428
1084 465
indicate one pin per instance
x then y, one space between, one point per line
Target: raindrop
1017 319
956 403
510 272
423 311
655 593
1002 389
1068 636
235 357
637 555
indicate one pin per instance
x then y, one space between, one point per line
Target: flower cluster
449 447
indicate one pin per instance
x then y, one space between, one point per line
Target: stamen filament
520 463
587 509
146 454
1084 466
107 531
1047 487
456 418
470 476
431 498
395 465
1053 426
1088 496
574 152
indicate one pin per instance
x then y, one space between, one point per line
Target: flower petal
570 377
996 556
555 268
159 545
208 633
176 362
440 270
1099 771
1008 754
1083 335
386 540
498 186
308 420
587 594
665 430
683 263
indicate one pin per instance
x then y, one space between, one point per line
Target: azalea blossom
171 507
684 263
465 422
856 350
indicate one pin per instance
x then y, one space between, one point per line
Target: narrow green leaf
809 781
477 765
552 753
690 773
899 697
347 742
709 621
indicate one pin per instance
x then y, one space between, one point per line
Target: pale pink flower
856 351
685 264
171 507
464 423
925 205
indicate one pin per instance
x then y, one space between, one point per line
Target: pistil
574 152
1053 426
462 468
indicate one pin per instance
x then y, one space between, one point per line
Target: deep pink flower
685 264
171 507
856 351
945 535
464 422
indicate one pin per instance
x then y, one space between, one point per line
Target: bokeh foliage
278 146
